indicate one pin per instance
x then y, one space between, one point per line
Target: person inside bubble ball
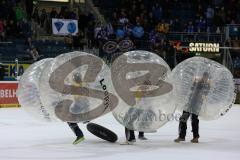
134 115
80 104
199 92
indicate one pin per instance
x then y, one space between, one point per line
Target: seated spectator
151 22
97 29
162 27
199 12
209 15
20 13
34 54
19 30
102 35
62 12
90 17
109 30
78 41
67 13
157 12
221 17
138 31
25 28
2 30
72 15
190 27
53 13
43 18
128 29
114 19
3 9
218 31
29 44
28 8
123 20
201 24
35 15
159 48
176 26
11 29
120 33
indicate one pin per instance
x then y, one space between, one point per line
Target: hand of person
204 97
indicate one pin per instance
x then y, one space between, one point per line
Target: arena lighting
55 0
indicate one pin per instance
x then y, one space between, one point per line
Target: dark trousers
183 125
130 134
76 130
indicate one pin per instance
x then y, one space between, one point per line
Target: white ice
23 138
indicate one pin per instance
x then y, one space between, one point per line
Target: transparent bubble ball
140 79
28 92
77 87
203 87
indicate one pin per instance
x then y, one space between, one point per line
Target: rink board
8 96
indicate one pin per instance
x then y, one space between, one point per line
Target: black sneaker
195 140
179 140
132 140
142 138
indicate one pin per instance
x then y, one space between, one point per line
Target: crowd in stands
14 19
176 15
144 22
148 22
137 17
43 18
17 21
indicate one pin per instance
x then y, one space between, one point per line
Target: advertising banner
10 70
64 26
8 96
204 49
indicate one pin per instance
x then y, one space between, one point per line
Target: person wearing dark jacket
132 116
200 90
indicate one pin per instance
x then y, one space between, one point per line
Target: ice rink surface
23 138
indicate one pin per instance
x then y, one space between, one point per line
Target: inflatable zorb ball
145 101
203 87
28 92
77 87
